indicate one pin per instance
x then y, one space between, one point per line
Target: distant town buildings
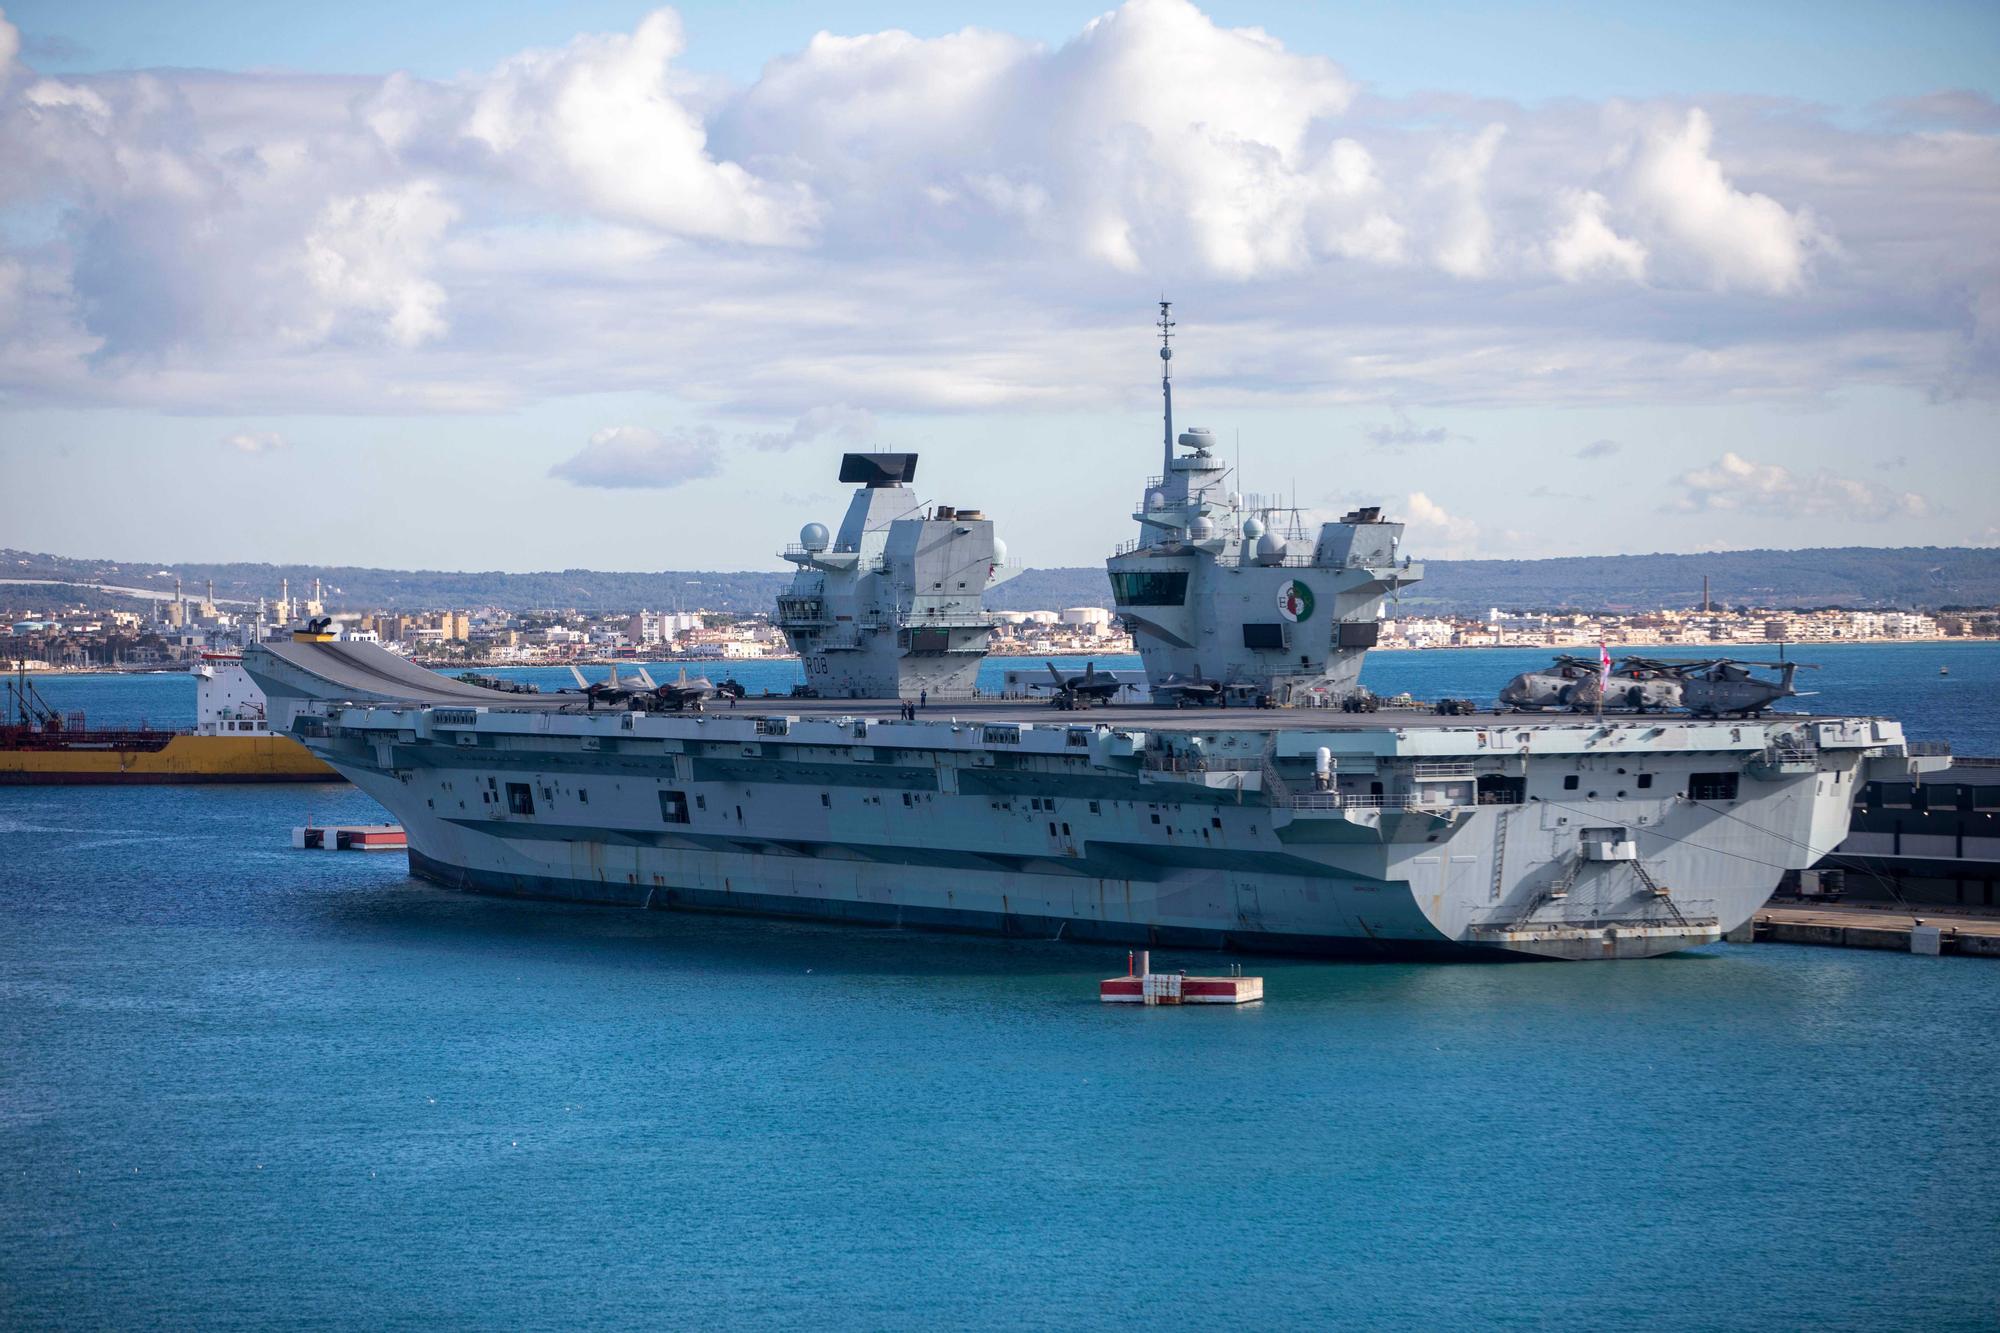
173 630
1740 627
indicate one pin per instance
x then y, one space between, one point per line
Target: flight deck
362 673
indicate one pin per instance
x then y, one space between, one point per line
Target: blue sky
1841 54
606 285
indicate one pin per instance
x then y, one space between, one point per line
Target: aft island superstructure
1185 820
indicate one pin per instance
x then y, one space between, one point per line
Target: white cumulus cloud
1587 247
853 425
369 253
1741 239
255 441
1736 484
1456 181
603 121
634 457
1435 532
967 222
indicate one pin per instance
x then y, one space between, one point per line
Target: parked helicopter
1573 683
1726 688
1085 690
1706 687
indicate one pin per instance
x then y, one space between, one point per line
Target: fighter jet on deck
1085 690
1189 691
640 691
610 692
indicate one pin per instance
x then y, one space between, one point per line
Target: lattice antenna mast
1167 386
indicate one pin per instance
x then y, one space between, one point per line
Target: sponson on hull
1183 820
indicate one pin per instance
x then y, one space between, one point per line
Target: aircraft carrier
1252 800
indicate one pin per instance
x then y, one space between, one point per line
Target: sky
603 285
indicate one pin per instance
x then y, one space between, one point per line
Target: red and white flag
1603 669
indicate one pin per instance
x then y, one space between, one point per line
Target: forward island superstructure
892 605
1185 819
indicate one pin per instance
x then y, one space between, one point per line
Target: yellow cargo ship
232 740
182 758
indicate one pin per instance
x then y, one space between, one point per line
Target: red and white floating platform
350 838
1142 985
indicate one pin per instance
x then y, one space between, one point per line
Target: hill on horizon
1921 577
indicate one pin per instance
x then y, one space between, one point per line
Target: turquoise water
243 1087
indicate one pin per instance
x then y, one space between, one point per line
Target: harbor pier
1853 926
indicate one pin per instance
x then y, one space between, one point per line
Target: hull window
674 807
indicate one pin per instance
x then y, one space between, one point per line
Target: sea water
245 1087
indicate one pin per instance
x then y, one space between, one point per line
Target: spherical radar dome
1253 528
814 536
1201 529
1271 549
999 551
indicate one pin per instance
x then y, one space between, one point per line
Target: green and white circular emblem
1295 600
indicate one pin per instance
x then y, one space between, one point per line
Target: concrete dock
1858 926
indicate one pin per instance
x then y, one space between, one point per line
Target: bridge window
520 800
1712 786
674 807
1150 587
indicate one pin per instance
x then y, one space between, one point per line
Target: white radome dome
1271 549
1201 529
814 536
1155 500
1253 528
999 551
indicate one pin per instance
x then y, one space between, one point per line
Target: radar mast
1167 386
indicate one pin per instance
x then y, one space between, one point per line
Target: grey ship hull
855 910
1561 838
